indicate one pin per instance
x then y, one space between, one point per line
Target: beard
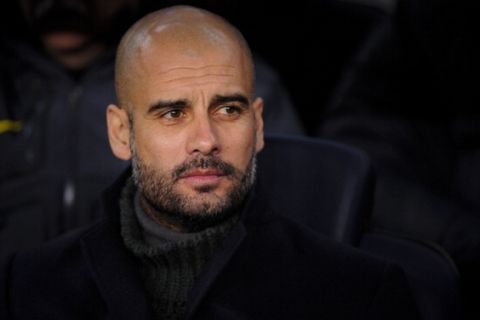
192 212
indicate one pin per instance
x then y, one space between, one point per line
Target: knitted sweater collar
145 237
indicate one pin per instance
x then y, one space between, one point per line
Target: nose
203 137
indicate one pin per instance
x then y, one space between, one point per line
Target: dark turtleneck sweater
169 261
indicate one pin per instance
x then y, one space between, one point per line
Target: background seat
325 185
431 273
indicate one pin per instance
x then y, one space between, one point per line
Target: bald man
185 236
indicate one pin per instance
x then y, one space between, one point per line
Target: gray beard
175 209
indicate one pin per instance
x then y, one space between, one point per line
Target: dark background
309 43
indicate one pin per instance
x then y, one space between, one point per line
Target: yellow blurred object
10 125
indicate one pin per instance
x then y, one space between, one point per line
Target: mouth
202 177
65 40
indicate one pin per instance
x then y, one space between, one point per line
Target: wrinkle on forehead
203 76
180 73
212 67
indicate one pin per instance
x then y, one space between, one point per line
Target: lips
202 176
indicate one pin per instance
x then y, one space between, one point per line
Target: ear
119 132
258 111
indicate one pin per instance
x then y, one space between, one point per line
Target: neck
159 218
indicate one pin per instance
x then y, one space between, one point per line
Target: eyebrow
221 99
182 103
162 104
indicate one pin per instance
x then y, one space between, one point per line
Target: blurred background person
56 78
410 100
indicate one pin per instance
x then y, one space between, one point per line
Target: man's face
195 132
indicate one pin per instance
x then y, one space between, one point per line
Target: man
186 237
56 77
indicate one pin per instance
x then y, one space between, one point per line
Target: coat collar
113 267
115 272
254 212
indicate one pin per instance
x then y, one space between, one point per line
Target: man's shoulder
59 260
51 275
321 262
283 265
295 239
50 256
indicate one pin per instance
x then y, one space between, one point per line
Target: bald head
173 38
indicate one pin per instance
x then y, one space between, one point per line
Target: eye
230 110
173 114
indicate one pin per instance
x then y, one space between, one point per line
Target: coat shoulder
49 280
284 266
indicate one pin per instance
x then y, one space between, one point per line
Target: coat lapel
254 208
213 269
115 272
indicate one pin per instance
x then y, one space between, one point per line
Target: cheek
159 151
239 147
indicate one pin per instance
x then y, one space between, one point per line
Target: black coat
268 268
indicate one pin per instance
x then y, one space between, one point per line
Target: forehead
170 70
198 74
